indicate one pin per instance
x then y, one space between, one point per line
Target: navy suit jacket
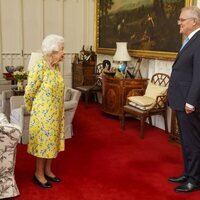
184 84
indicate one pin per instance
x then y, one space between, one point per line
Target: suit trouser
189 126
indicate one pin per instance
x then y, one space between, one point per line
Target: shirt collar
191 34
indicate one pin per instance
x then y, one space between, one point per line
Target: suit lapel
190 41
187 45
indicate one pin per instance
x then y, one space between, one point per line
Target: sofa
20 116
9 138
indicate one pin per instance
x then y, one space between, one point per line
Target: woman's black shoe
44 185
54 179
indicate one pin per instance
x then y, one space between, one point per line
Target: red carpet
101 162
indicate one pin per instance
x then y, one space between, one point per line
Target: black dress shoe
54 179
180 179
43 185
188 187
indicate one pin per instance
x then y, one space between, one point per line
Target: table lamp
122 56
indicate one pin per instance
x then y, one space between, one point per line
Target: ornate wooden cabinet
115 93
83 68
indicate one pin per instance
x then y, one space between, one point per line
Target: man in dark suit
184 98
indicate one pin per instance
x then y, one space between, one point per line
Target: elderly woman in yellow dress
44 98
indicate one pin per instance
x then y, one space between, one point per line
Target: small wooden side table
9 77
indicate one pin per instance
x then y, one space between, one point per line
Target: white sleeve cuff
189 105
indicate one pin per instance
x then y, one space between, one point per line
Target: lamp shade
121 53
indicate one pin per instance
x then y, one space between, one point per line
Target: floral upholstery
9 138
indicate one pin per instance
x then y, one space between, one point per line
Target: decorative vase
20 85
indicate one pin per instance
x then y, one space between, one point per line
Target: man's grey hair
194 11
51 43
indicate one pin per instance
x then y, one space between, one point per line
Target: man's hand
189 110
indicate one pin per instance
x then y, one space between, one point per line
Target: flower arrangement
20 75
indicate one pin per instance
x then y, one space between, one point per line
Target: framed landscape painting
148 26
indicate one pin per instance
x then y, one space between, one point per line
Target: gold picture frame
148 26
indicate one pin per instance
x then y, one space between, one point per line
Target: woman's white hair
51 43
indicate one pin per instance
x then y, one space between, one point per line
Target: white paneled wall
23 30
10 26
32 22
24 24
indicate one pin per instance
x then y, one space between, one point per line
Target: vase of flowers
20 85
20 76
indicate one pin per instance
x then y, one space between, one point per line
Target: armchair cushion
154 90
137 106
148 100
142 100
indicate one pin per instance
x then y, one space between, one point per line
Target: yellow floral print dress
44 98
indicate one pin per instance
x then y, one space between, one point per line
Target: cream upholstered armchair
9 138
71 99
6 94
20 116
5 102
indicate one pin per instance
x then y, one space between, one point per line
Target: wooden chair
159 107
88 90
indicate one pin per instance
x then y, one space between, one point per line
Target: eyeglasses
182 20
59 51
